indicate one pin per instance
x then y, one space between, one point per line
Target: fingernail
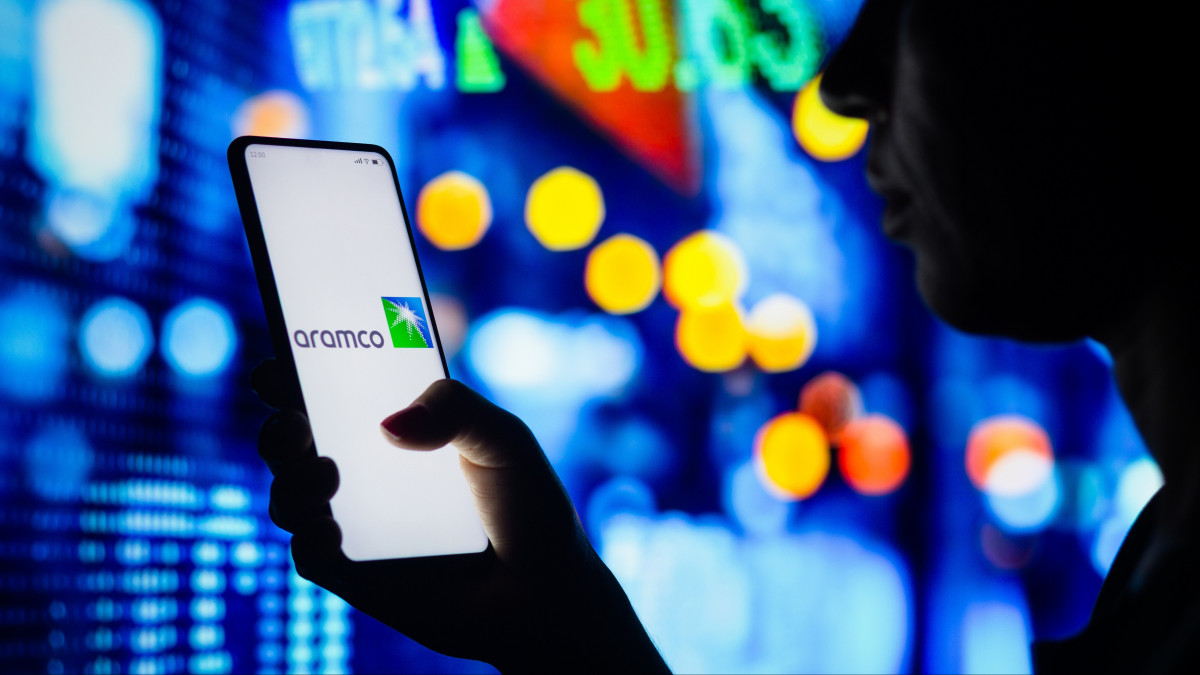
407 421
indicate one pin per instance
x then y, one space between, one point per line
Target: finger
317 551
285 438
275 384
301 493
451 412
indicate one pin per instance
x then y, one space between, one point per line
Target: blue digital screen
643 234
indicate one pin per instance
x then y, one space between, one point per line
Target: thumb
525 511
449 412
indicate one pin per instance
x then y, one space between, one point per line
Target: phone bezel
264 272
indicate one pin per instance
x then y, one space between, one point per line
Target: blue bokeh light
34 332
995 639
198 338
96 163
545 368
810 602
618 496
1139 481
755 509
58 461
115 337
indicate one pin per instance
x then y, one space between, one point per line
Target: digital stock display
643 233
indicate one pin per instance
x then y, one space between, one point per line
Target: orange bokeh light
873 454
277 113
994 438
831 399
792 455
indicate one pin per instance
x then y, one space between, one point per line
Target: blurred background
644 234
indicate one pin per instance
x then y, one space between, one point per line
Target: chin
972 305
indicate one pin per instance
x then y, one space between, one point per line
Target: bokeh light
781 333
622 274
621 495
545 368
831 399
58 461
115 337
198 338
847 596
103 58
792 455
516 349
1107 542
711 339
873 454
755 508
92 227
704 269
1029 511
995 637
34 334
277 113
1019 471
995 437
822 133
564 209
1138 483
454 211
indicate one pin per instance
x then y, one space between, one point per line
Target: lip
897 216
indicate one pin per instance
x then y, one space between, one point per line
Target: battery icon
374 161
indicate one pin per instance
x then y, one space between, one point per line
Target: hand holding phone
347 306
466 541
538 599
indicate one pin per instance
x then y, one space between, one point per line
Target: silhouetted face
1003 143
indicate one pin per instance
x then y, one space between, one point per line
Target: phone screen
364 345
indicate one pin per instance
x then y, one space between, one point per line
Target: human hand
539 598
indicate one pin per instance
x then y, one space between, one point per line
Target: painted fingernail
407 421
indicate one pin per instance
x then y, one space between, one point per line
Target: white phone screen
355 312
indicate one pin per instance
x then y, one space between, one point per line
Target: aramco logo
407 322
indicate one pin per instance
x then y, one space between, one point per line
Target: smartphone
347 307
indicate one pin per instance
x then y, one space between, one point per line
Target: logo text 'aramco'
407 322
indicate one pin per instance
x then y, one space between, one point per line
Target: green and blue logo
407 322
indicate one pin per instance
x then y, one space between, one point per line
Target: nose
857 82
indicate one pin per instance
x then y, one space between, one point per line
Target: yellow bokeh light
821 132
792 455
276 113
564 209
622 275
781 333
704 269
454 211
711 339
